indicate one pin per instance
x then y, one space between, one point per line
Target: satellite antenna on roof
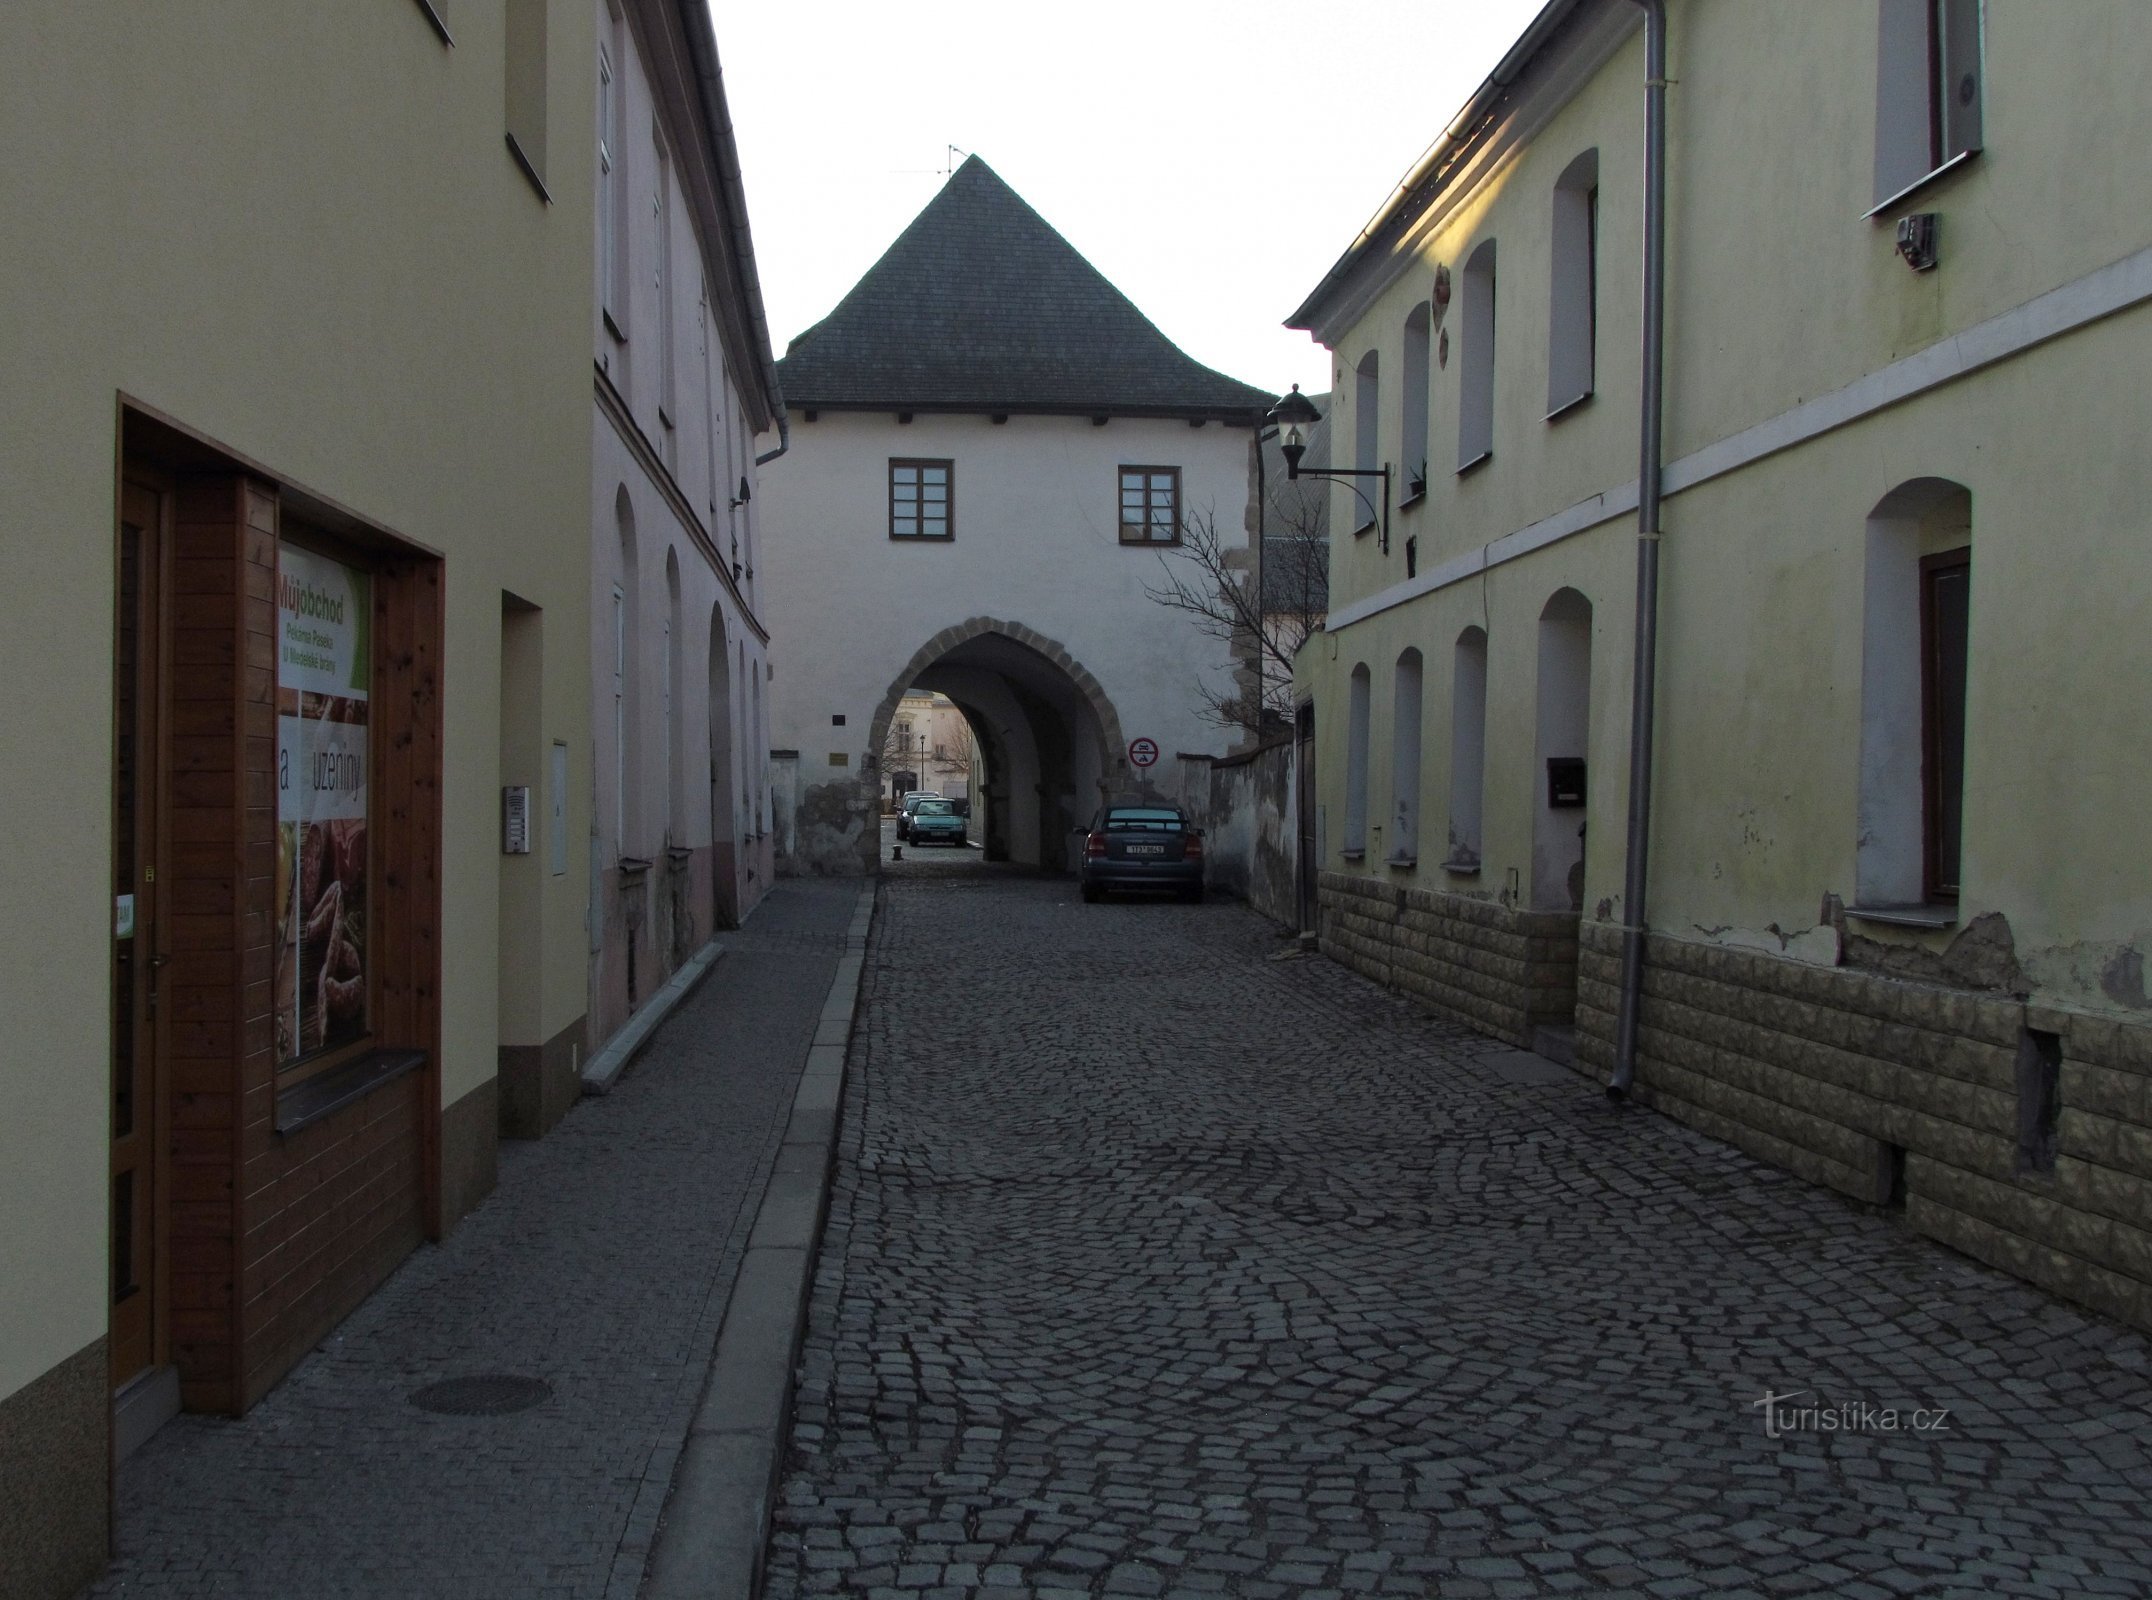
954 153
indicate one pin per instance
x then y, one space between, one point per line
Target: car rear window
1141 821
935 808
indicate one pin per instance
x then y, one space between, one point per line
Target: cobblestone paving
601 1265
1157 1267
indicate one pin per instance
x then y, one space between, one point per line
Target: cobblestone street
600 1266
1157 1266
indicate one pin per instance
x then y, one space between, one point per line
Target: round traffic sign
1143 751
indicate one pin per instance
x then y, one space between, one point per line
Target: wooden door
138 1335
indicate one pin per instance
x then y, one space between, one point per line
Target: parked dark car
1142 847
936 822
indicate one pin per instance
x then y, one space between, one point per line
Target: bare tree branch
1220 585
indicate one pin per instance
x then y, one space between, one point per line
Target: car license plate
1146 849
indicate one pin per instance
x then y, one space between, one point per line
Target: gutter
1432 165
710 80
1644 689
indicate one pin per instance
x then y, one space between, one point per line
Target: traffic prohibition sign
1143 751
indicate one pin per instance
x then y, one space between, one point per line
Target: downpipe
1649 453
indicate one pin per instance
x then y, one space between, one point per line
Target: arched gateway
1051 738
985 429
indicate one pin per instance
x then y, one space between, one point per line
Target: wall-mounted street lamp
1293 417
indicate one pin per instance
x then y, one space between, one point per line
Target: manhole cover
492 1394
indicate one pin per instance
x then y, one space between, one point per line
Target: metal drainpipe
784 440
1647 550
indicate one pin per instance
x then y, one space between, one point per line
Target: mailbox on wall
1565 782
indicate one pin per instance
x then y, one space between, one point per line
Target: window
1928 91
1475 404
1412 441
1945 590
323 966
1355 846
661 290
526 43
1468 749
1367 424
610 276
1913 676
627 739
1405 762
1150 505
920 499
1572 317
675 698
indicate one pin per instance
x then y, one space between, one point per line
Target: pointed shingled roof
980 306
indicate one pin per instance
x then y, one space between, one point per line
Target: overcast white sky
1213 160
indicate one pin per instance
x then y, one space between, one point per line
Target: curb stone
603 1070
710 1541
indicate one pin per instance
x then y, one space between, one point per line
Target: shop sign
324 668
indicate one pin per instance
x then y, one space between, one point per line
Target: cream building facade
679 839
1894 915
315 517
991 450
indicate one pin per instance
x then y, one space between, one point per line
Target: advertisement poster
324 609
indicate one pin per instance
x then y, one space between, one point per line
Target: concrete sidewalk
604 1266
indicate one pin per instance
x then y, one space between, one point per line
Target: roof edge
1429 175
1242 416
710 83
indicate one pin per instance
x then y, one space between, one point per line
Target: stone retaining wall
1505 972
1894 1091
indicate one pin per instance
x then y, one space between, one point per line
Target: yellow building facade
1895 912
296 510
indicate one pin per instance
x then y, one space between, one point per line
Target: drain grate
490 1394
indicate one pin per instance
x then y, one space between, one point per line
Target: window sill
1364 529
633 866
1402 862
439 26
922 538
1150 544
1918 184
1940 915
1413 498
1352 855
1462 869
1475 463
529 168
328 1093
1569 406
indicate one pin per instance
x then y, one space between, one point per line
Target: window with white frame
608 182
1367 426
1356 736
1405 762
1475 399
661 290
1572 315
1413 375
1150 505
1468 748
1929 88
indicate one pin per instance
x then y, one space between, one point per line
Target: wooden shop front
276 949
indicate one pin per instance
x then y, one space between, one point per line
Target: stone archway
1061 748
1113 754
